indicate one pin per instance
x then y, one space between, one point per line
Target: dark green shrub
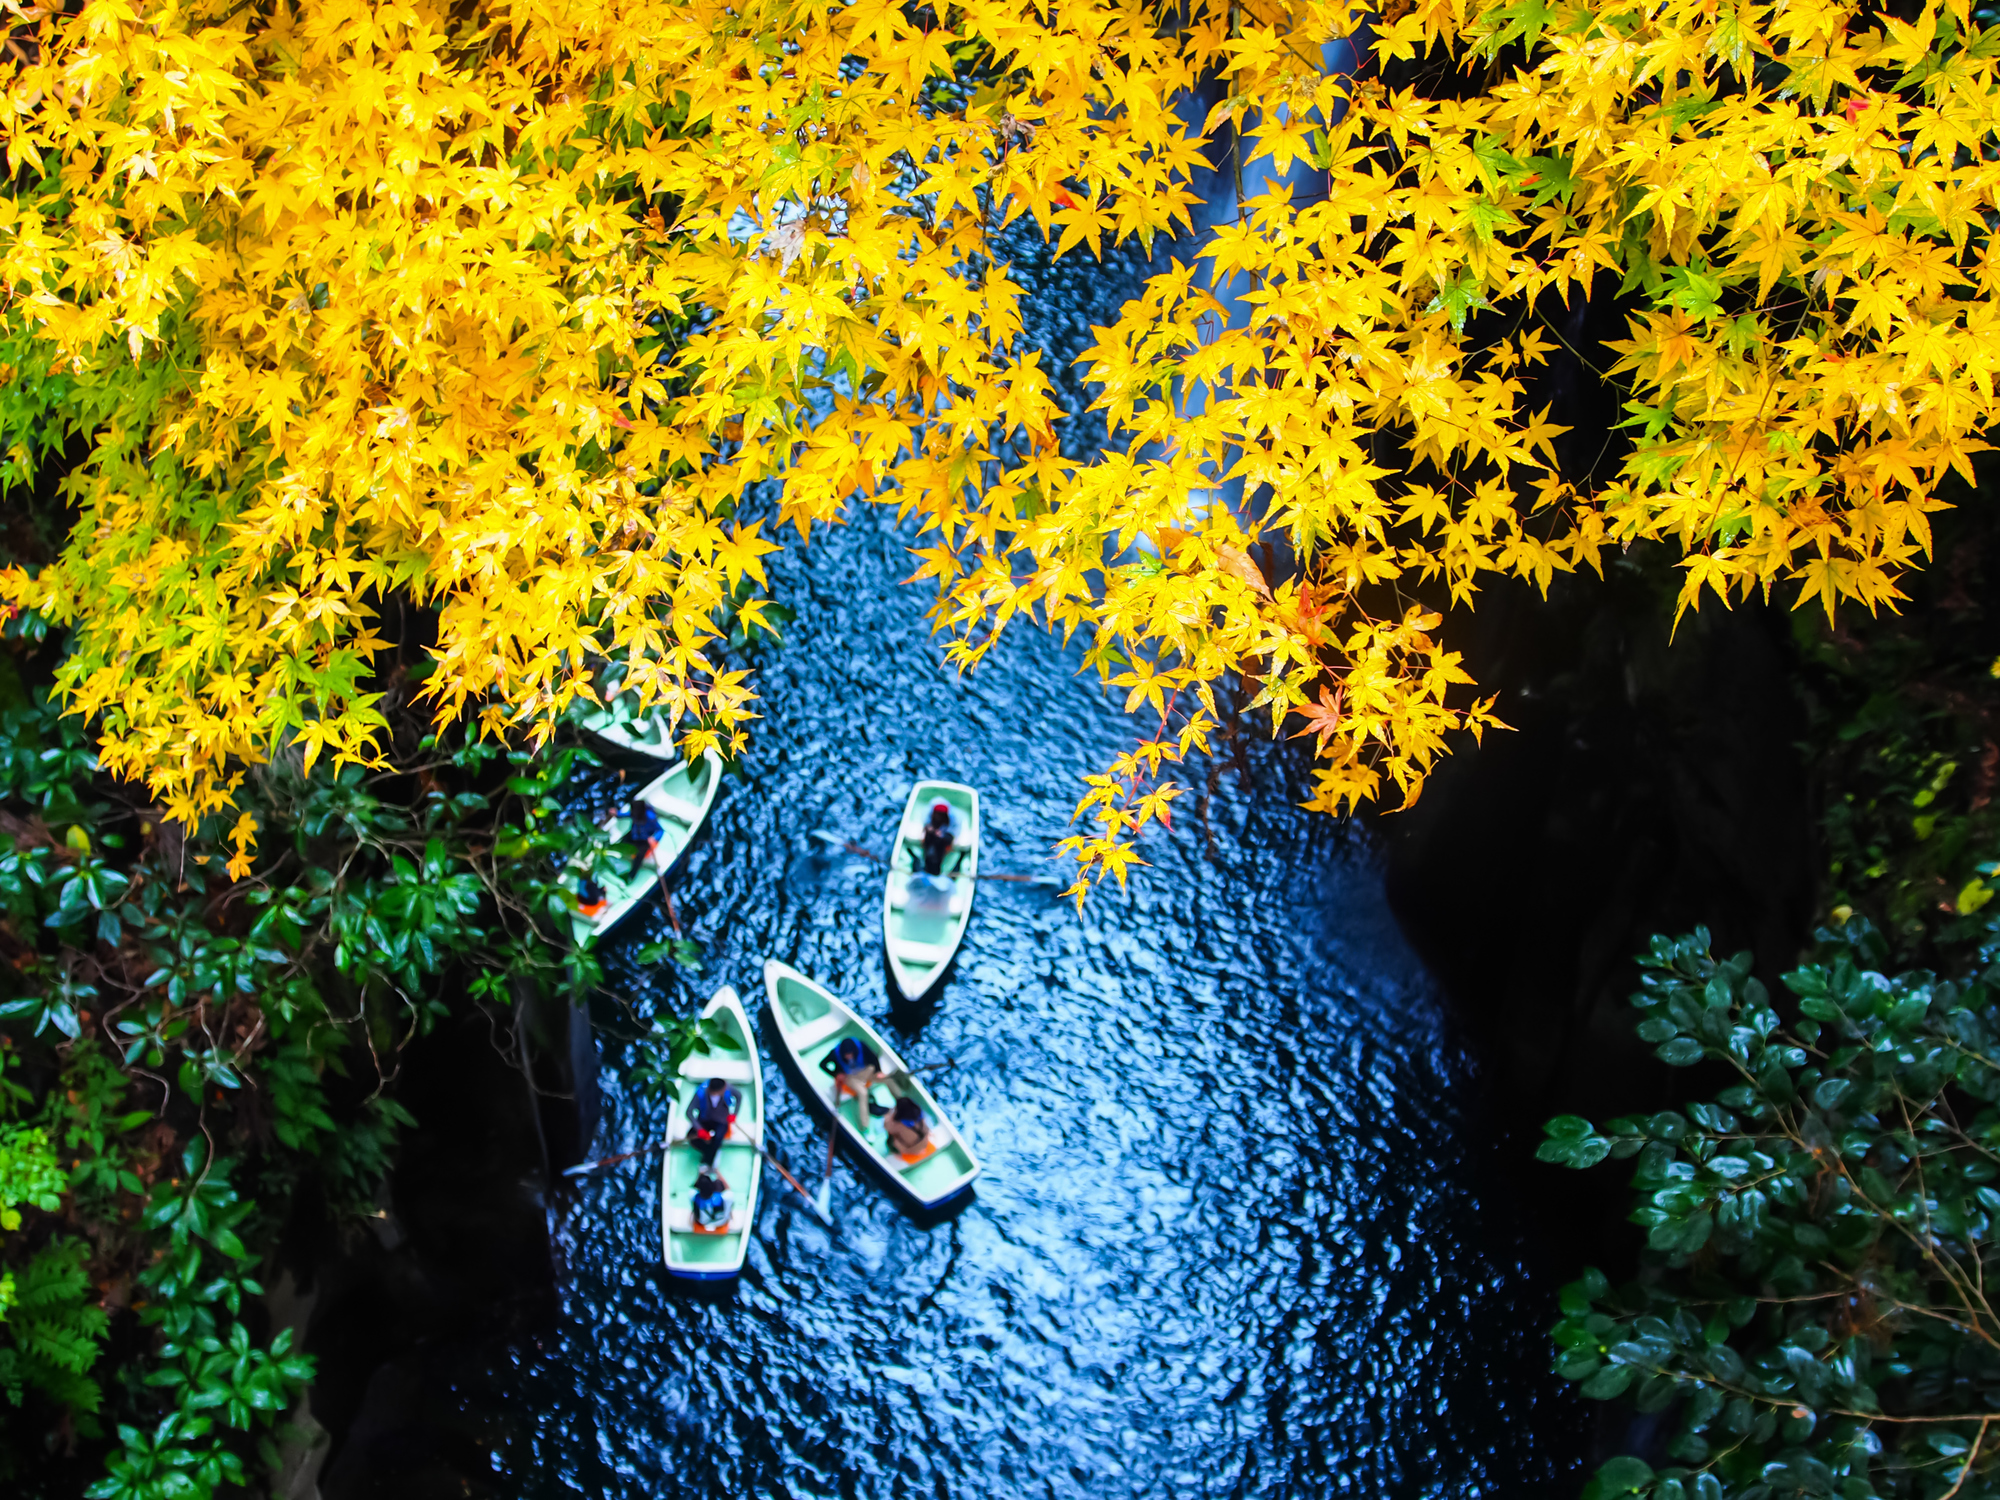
173 1016
1814 1310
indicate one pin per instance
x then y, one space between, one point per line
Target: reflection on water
1231 1239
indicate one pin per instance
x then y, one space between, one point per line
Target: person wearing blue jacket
710 1114
645 830
855 1069
711 1209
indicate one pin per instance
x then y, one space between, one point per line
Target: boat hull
921 943
682 796
809 1021
688 1255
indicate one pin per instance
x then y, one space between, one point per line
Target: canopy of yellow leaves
506 304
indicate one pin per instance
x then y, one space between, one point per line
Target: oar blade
822 1203
779 1167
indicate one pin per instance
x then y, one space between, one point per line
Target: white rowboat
702 1254
682 796
616 721
644 737
810 1022
922 935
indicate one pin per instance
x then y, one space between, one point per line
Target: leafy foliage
1816 1310
1905 737
29 1173
504 308
671 1042
189 1031
51 1333
53 1329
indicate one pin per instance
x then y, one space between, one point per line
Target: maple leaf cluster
504 307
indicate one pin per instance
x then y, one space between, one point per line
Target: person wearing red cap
939 836
930 888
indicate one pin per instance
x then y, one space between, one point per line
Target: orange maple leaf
1324 717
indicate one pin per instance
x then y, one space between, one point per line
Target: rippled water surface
1231 1238
1236 1235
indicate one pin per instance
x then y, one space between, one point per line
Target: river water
1238 1232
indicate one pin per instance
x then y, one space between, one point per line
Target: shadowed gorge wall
1648 786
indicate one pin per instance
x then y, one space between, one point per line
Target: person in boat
940 838
710 1114
590 898
907 1128
645 830
854 1067
930 889
711 1208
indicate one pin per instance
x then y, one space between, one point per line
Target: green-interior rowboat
649 736
682 796
699 1255
922 935
617 719
810 1022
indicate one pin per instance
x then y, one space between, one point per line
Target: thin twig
1969 1457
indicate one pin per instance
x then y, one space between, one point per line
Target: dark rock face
1649 786
456 1272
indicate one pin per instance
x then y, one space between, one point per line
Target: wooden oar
834 840
611 1161
823 1202
929 1067
764 1152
